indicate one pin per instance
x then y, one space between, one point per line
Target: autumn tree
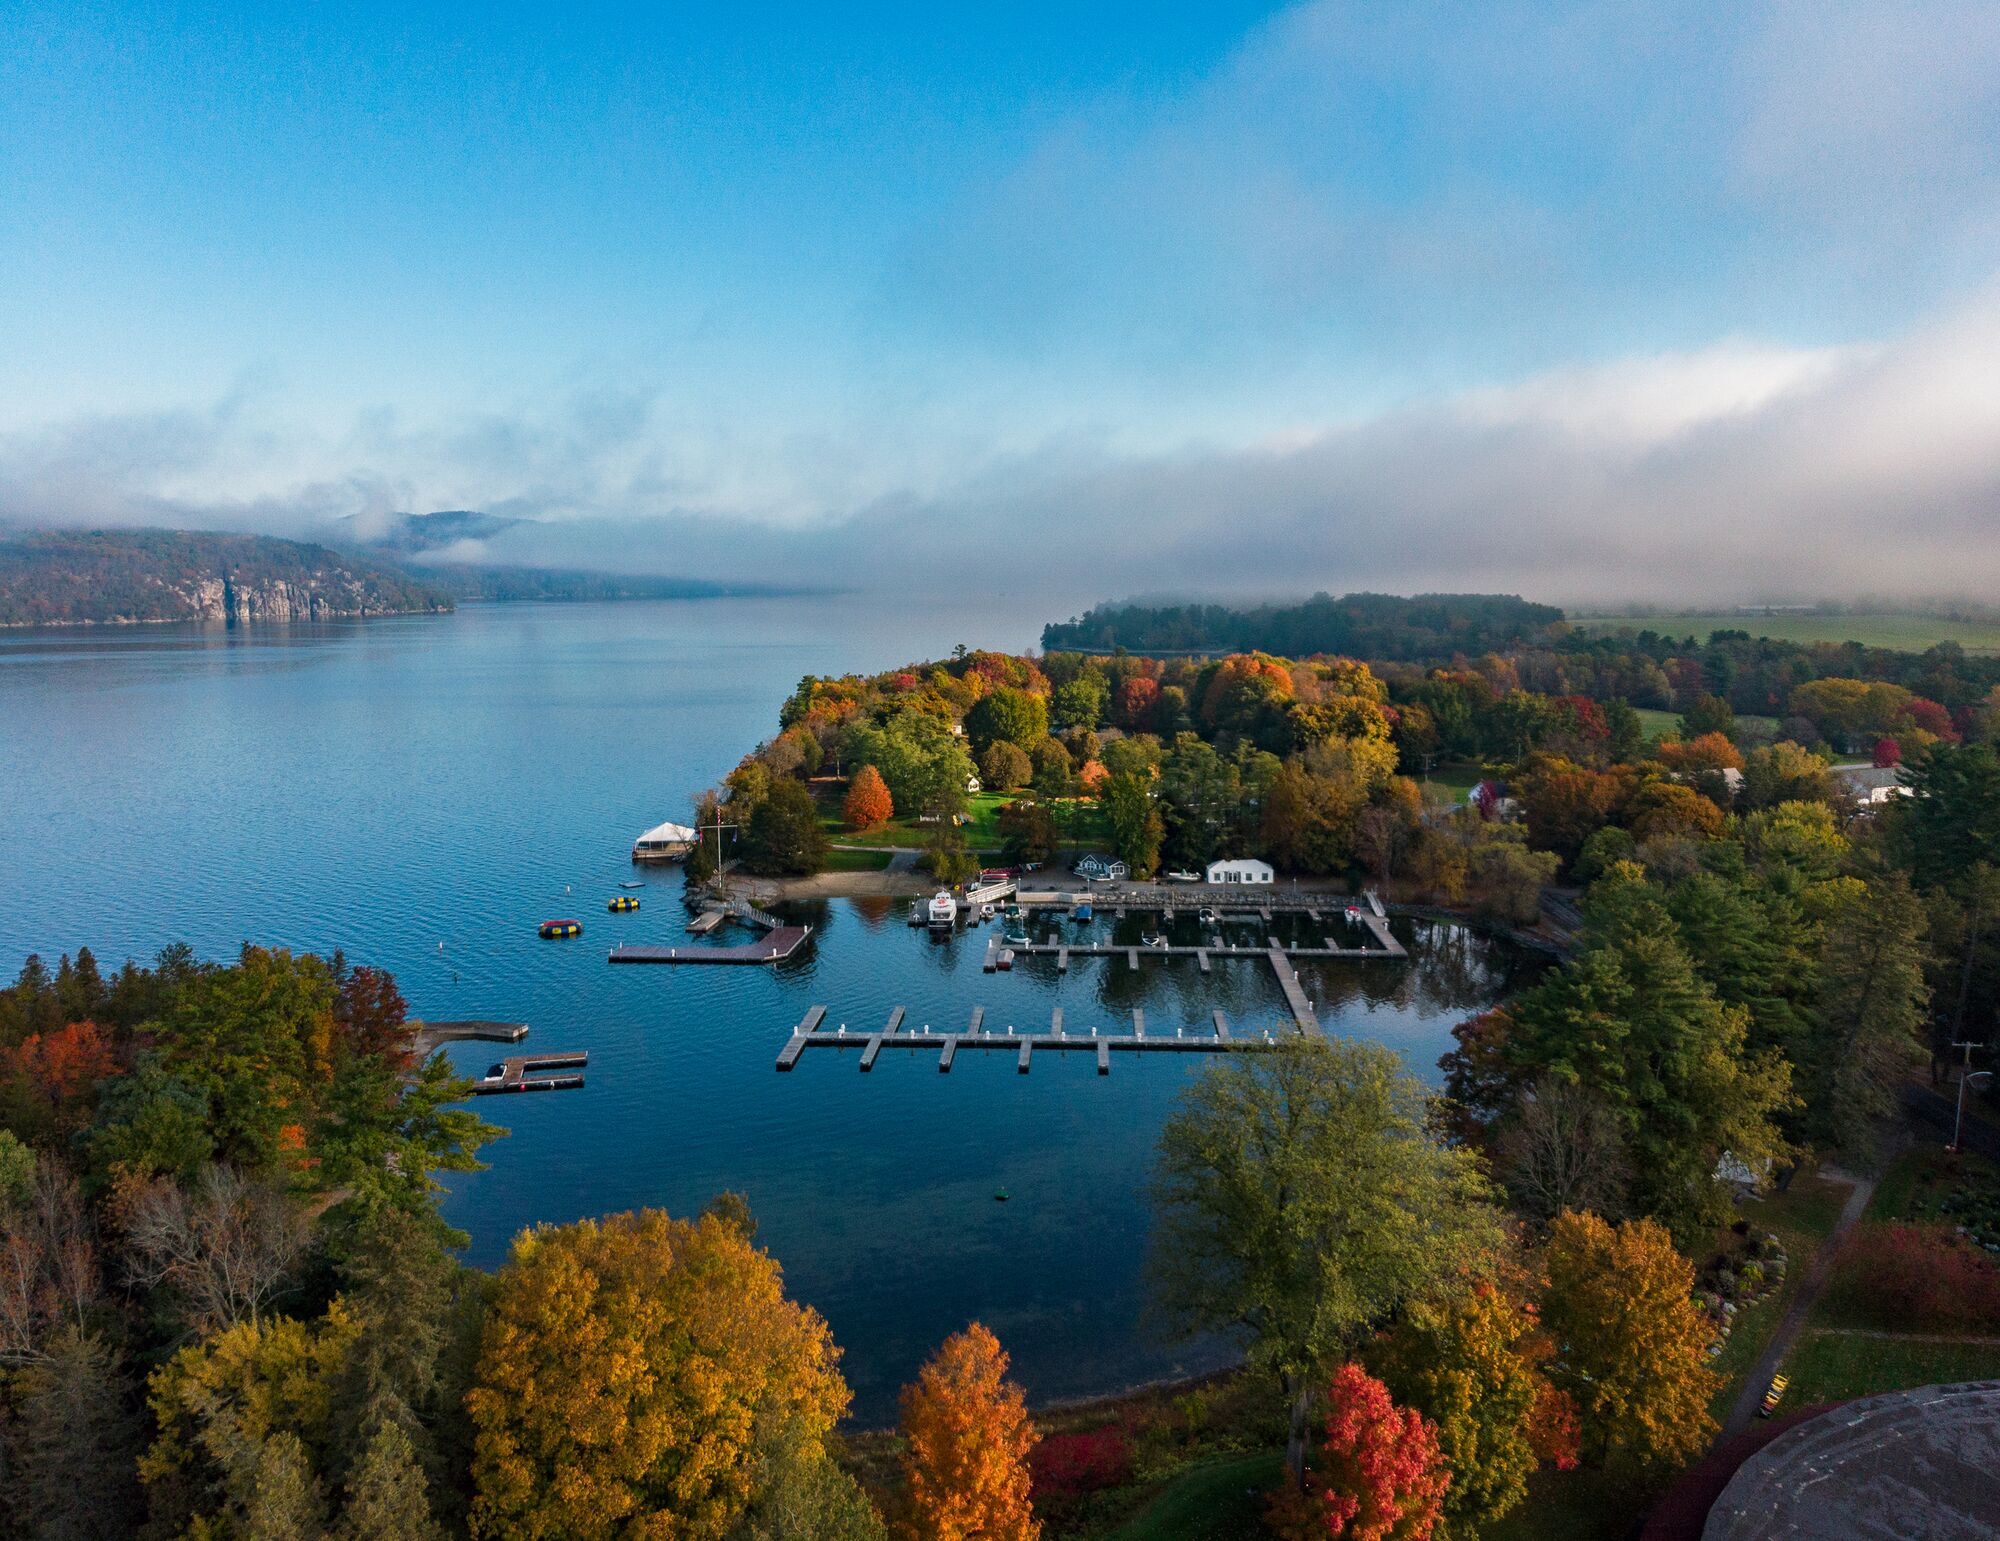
1302 1197
1005 766
1630 1342
1014 715
967 1440
1378 1473
868 804
1562 1148
629 1368
1027 831
1470 1362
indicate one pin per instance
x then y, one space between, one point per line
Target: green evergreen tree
1873 1002
785 834
74 1442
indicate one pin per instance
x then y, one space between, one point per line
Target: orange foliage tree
630 1372
868 802
967 1443
1379 1476
64 1067
1631 1343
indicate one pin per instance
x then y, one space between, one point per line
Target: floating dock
811 1033
534 1073
774 946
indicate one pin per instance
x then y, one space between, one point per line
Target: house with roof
1099 868
1870 786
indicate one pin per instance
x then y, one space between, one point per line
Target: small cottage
1097 867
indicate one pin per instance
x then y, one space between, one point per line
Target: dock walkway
812 1034
773 947
426 1036
532 1073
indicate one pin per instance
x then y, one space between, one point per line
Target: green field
1831 1365
1909 633
838 860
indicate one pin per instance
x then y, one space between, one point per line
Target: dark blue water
389 786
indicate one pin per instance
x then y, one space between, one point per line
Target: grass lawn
1451 781
1220 1501
1910 633
1828 1365
1083 823
1579 1505
1658 724
1801 1217
857 861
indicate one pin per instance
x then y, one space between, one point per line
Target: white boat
987 912
943 909
1152 939
1207 916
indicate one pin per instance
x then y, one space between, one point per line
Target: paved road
1752 1395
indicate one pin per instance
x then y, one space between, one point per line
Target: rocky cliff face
117 576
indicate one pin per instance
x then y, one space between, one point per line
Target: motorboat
1082 912
1005 961
1152 939
987 912
943 909
1016 936
1207 916
1183 876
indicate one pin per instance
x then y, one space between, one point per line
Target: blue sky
1597 300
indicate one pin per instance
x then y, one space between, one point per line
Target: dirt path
1752 1395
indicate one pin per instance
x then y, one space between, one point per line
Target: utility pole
718 826
1965 1073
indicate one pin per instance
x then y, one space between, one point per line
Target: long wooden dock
772 947
812 1034
1061 951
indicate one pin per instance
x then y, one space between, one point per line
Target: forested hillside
52 578
1376 626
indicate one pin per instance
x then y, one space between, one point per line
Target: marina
777 944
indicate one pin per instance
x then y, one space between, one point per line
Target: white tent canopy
669 833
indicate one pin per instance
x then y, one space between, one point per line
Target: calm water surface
389 786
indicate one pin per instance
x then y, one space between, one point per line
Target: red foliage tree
1554 1432
868 802
373 1016
1138 699
1379 1476
1888 754
1931 716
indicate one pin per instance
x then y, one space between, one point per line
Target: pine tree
74 1444
1873 999
967 1440
387 1499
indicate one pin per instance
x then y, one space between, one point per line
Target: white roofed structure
664 842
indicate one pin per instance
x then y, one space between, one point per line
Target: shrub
1069 1467
1902 1275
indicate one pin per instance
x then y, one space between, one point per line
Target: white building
664 842
1240 869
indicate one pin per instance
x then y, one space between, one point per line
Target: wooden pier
774 946
1388 947
426 1036
811 1033
534 1073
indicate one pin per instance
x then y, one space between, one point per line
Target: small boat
987 912
1000 1197
1005 961
1152 939
623 902
1207 916
551 930
942 910
1082 912
1016 936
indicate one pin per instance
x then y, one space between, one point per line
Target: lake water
392 785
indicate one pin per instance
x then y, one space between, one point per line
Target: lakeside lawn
1660 724
838 860
1908 633
1216 1501
1082 821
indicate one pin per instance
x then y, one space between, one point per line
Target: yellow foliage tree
967 1438
223 1405
1631 1344
630 1368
